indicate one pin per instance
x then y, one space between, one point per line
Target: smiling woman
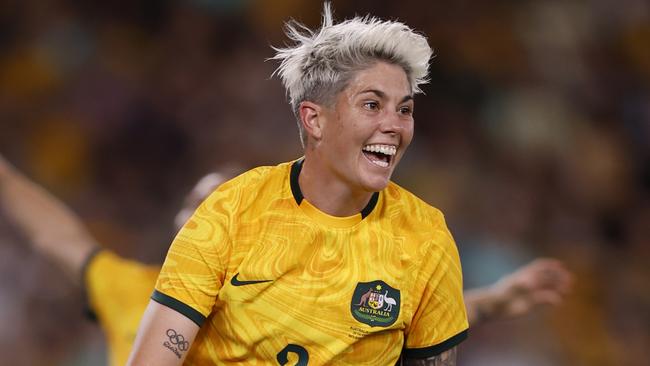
353 147
251 274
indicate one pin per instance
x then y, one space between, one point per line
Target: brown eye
371 105
406 110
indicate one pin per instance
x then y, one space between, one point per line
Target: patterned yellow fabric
282 282
118 292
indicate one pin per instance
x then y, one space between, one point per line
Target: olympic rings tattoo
178 340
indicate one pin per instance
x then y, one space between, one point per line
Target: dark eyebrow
382 95
406 99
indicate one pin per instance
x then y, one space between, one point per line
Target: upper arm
440 320
447 358
186 289
164 337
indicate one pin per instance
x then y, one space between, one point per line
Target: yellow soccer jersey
272 280
118 291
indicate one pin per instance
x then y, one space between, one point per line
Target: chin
373 179
376 184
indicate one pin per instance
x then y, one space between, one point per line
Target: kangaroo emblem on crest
364 297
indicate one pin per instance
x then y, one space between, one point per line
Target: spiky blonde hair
321 63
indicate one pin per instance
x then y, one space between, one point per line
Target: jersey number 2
303 356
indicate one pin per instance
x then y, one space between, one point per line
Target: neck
329 193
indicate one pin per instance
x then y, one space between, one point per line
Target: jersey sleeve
117 292
440 320
194 268
110 280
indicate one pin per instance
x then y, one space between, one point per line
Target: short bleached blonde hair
321 63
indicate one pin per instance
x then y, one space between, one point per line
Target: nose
394 123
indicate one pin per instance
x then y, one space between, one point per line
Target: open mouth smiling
380 154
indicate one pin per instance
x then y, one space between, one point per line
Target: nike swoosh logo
236 282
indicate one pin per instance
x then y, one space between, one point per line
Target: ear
311 118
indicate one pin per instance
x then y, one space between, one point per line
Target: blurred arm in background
51 228
117 290
544 281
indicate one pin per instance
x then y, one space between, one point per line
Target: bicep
164 337
447 358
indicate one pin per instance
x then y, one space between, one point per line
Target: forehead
388 78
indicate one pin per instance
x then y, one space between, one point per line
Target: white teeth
384 149
381 163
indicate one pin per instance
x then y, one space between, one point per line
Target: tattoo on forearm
176 343
447 358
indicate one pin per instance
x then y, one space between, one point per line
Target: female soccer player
323 259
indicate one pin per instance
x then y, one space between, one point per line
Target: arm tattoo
176 342
447 358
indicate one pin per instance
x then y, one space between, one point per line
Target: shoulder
423 225
253 176
249 187
256 177
402 203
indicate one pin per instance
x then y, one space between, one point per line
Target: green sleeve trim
179 306
435 349
88 310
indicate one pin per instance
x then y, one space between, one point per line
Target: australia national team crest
375 303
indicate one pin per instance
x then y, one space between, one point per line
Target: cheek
407 134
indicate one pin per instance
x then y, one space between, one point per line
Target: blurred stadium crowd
533 137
